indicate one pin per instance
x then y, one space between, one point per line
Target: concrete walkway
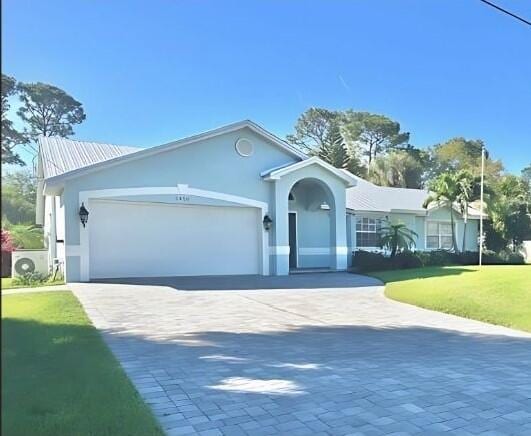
39 289
309 355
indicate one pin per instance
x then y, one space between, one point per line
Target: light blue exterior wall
212 164
418 224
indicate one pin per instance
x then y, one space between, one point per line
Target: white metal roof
62 155
368 197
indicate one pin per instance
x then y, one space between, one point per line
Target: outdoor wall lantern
83 214
267 222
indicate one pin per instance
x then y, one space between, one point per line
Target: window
439 235
368 232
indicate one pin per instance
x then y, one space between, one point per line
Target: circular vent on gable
244 147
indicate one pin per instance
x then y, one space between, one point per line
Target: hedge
369 261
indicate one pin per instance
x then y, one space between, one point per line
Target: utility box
27 261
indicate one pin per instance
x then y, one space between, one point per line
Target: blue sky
151 71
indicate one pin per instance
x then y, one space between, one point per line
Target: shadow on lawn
420 273
62 379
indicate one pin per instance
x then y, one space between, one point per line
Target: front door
292 240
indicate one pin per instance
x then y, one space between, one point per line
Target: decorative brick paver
308 355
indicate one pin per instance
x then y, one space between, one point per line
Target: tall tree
374 133
312 130
10 136
526 174
49 110
465 196
333 149
319 132
459 154
398 169
445 190
509 212
18 197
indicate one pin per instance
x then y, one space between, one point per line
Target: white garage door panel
148 240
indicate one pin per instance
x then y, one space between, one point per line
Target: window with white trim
438 235
368 232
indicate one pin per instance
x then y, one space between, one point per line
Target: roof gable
120 155
277 173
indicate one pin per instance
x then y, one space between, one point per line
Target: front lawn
58 376
498 294
7 283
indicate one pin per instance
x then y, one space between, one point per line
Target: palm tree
397 237
444 191
465 183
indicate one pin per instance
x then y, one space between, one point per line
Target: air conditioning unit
26 261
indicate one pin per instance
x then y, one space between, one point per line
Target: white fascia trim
85 196
418 212
142 153
278 173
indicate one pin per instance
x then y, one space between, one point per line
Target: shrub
469 258
30 279
441 258
406 259
369 261
502 258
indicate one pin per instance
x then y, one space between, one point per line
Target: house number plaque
182 198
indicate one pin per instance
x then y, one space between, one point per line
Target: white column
280 250
339 233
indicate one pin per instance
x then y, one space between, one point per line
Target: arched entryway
310 207
317 188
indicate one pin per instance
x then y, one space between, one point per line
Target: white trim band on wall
72 250
341 250
279 249
314 251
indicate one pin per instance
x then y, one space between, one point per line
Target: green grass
7 283
58 376
495 294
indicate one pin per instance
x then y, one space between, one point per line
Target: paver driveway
309 354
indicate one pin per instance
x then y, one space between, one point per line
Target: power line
505 11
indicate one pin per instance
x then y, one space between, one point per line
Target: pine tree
334 150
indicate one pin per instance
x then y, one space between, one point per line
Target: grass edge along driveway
59 377
7 283
497 294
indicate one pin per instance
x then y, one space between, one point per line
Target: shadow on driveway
249 282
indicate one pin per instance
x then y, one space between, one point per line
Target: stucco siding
212 164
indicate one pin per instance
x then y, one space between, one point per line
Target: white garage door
129 239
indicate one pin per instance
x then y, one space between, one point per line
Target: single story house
234 200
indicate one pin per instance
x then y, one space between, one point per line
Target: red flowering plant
7 242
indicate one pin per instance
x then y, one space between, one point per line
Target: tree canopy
48 110
18 198
374 133
10 136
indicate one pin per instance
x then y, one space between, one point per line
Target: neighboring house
234 200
